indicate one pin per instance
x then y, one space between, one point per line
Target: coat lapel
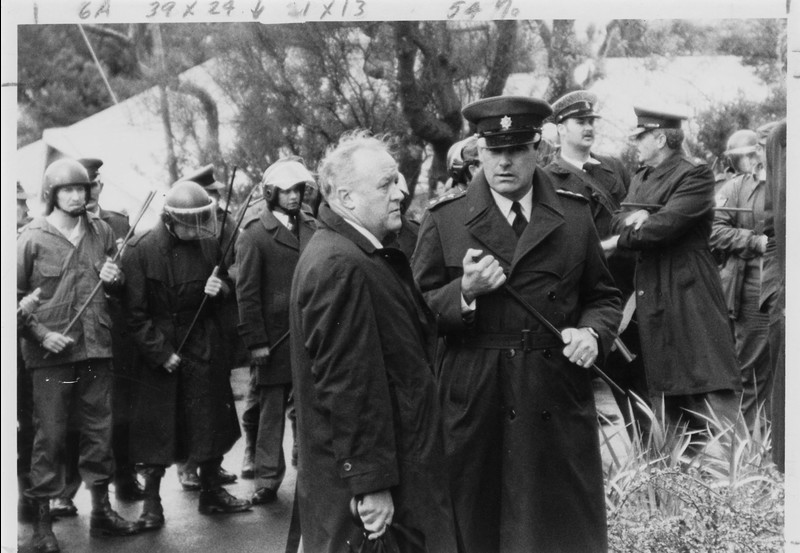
281 234
546 216
486 224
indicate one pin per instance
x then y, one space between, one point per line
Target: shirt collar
504 204
367 234
578 163
282 217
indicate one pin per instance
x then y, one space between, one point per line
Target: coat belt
526 340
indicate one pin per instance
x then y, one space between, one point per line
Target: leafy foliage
668 492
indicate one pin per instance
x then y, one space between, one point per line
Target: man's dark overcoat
368 417
267 253
687 340
520 421
190 412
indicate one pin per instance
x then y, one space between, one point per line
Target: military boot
213 497
127 486
152 517
105 521
43 540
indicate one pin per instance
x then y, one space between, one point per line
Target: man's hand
213 286
581 346
110 272
55 342
761 245
637 219
609 245
29 303
376 511
172 363
480 277
259 356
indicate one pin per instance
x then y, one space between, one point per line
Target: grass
669 491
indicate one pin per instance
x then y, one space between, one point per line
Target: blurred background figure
739 237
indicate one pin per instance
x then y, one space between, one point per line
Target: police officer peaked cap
92 166
285 173
505 121
649 119
579 103
205 178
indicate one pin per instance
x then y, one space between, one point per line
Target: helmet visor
194 223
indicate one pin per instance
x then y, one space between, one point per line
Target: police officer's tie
295 226
519 223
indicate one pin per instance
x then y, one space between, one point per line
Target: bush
671 493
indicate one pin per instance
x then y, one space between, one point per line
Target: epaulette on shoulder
694 161
573 195
447 198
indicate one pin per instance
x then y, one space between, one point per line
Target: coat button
512 414
640 293
511 353
347 467
551 296
547 354
546 415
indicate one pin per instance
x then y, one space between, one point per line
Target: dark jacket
737 234
520 420
687 341
267 253
367 414
163 293
67 275
605 186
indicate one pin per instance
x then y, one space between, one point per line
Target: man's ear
344 198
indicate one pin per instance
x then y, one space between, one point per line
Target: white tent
130 139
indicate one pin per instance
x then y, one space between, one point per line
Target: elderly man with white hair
369 428
267 251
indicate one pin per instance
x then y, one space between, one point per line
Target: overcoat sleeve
691 200
152 343
600 301
726 235
440 285
252 327
337 313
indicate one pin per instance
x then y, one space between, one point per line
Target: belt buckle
526 342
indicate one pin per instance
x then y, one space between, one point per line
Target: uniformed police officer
739 235
204 176
687 343
603 181
519 416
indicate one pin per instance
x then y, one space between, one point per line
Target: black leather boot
127 486
43 540
213 497
105 521
152 517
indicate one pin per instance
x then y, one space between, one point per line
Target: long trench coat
520 421
687 340
367 413
189 412
267 253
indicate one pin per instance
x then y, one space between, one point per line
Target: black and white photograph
443 276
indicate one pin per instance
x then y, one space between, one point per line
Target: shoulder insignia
694 161
447 198
573 195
